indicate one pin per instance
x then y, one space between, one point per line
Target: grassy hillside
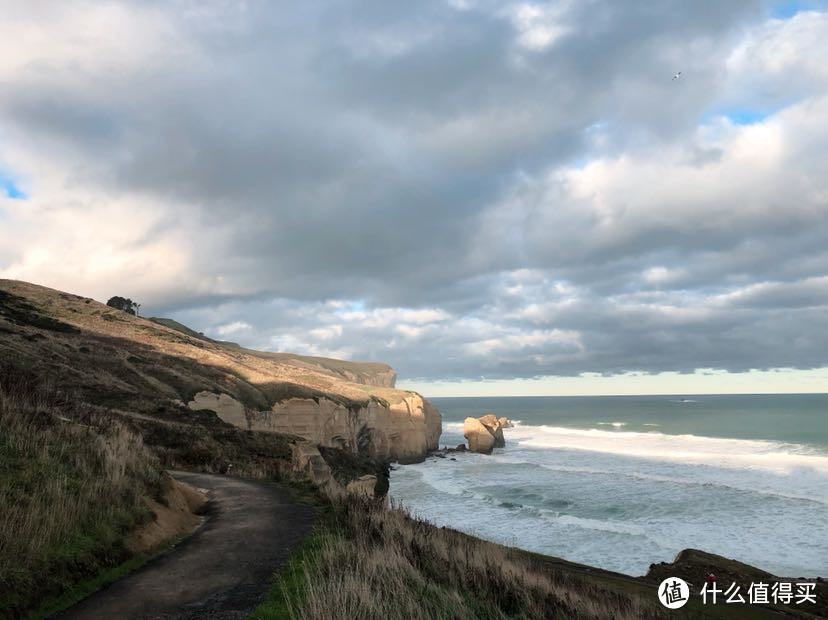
134 364
366 561
73 486
91 414
368 373
369 562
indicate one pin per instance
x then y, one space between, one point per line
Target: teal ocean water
622 482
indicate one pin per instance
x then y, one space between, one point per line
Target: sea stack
485 433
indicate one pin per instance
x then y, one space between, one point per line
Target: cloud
230 329
462 189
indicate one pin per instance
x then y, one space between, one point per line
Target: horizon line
823 393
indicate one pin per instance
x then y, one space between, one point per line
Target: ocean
623 482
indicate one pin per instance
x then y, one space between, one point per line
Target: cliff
366 373
159 368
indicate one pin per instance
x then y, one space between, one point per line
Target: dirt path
221 571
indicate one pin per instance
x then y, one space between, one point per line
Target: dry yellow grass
72 484
234 369
377 563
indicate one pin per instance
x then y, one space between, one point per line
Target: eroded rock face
309 463
403 431
226 407
492 424
479 438
485 433
362 486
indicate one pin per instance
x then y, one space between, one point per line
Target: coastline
134 376
623 496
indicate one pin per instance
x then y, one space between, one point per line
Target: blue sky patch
10 188
739 115
788 8
745 116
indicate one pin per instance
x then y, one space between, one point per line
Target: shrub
122 303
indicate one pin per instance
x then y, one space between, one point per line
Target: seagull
677 75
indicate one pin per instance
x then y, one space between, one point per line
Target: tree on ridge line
125 304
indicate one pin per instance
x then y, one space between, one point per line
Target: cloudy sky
492 196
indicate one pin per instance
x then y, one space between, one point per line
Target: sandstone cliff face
161 369
401 431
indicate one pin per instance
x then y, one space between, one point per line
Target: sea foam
623 499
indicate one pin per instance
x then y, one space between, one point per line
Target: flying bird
677 75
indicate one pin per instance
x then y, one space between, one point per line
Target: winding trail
223 570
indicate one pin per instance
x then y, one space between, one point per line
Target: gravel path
221 571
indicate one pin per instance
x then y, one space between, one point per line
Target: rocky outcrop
308 463
479 438
363 486
148 369
492 424
485 433
226 407
403 431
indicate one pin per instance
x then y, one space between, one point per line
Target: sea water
623 482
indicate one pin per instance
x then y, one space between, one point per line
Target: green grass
73 487
84 588
289 588
81 590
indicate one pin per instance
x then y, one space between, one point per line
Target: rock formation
401 431
362 486
150 367
492 424
485 433
479 438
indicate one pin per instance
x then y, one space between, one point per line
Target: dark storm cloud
526 175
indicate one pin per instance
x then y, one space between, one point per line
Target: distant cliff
160 368
366 373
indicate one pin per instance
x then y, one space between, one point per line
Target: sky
493 197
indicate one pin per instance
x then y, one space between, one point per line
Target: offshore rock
479 438
485 433
492 424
